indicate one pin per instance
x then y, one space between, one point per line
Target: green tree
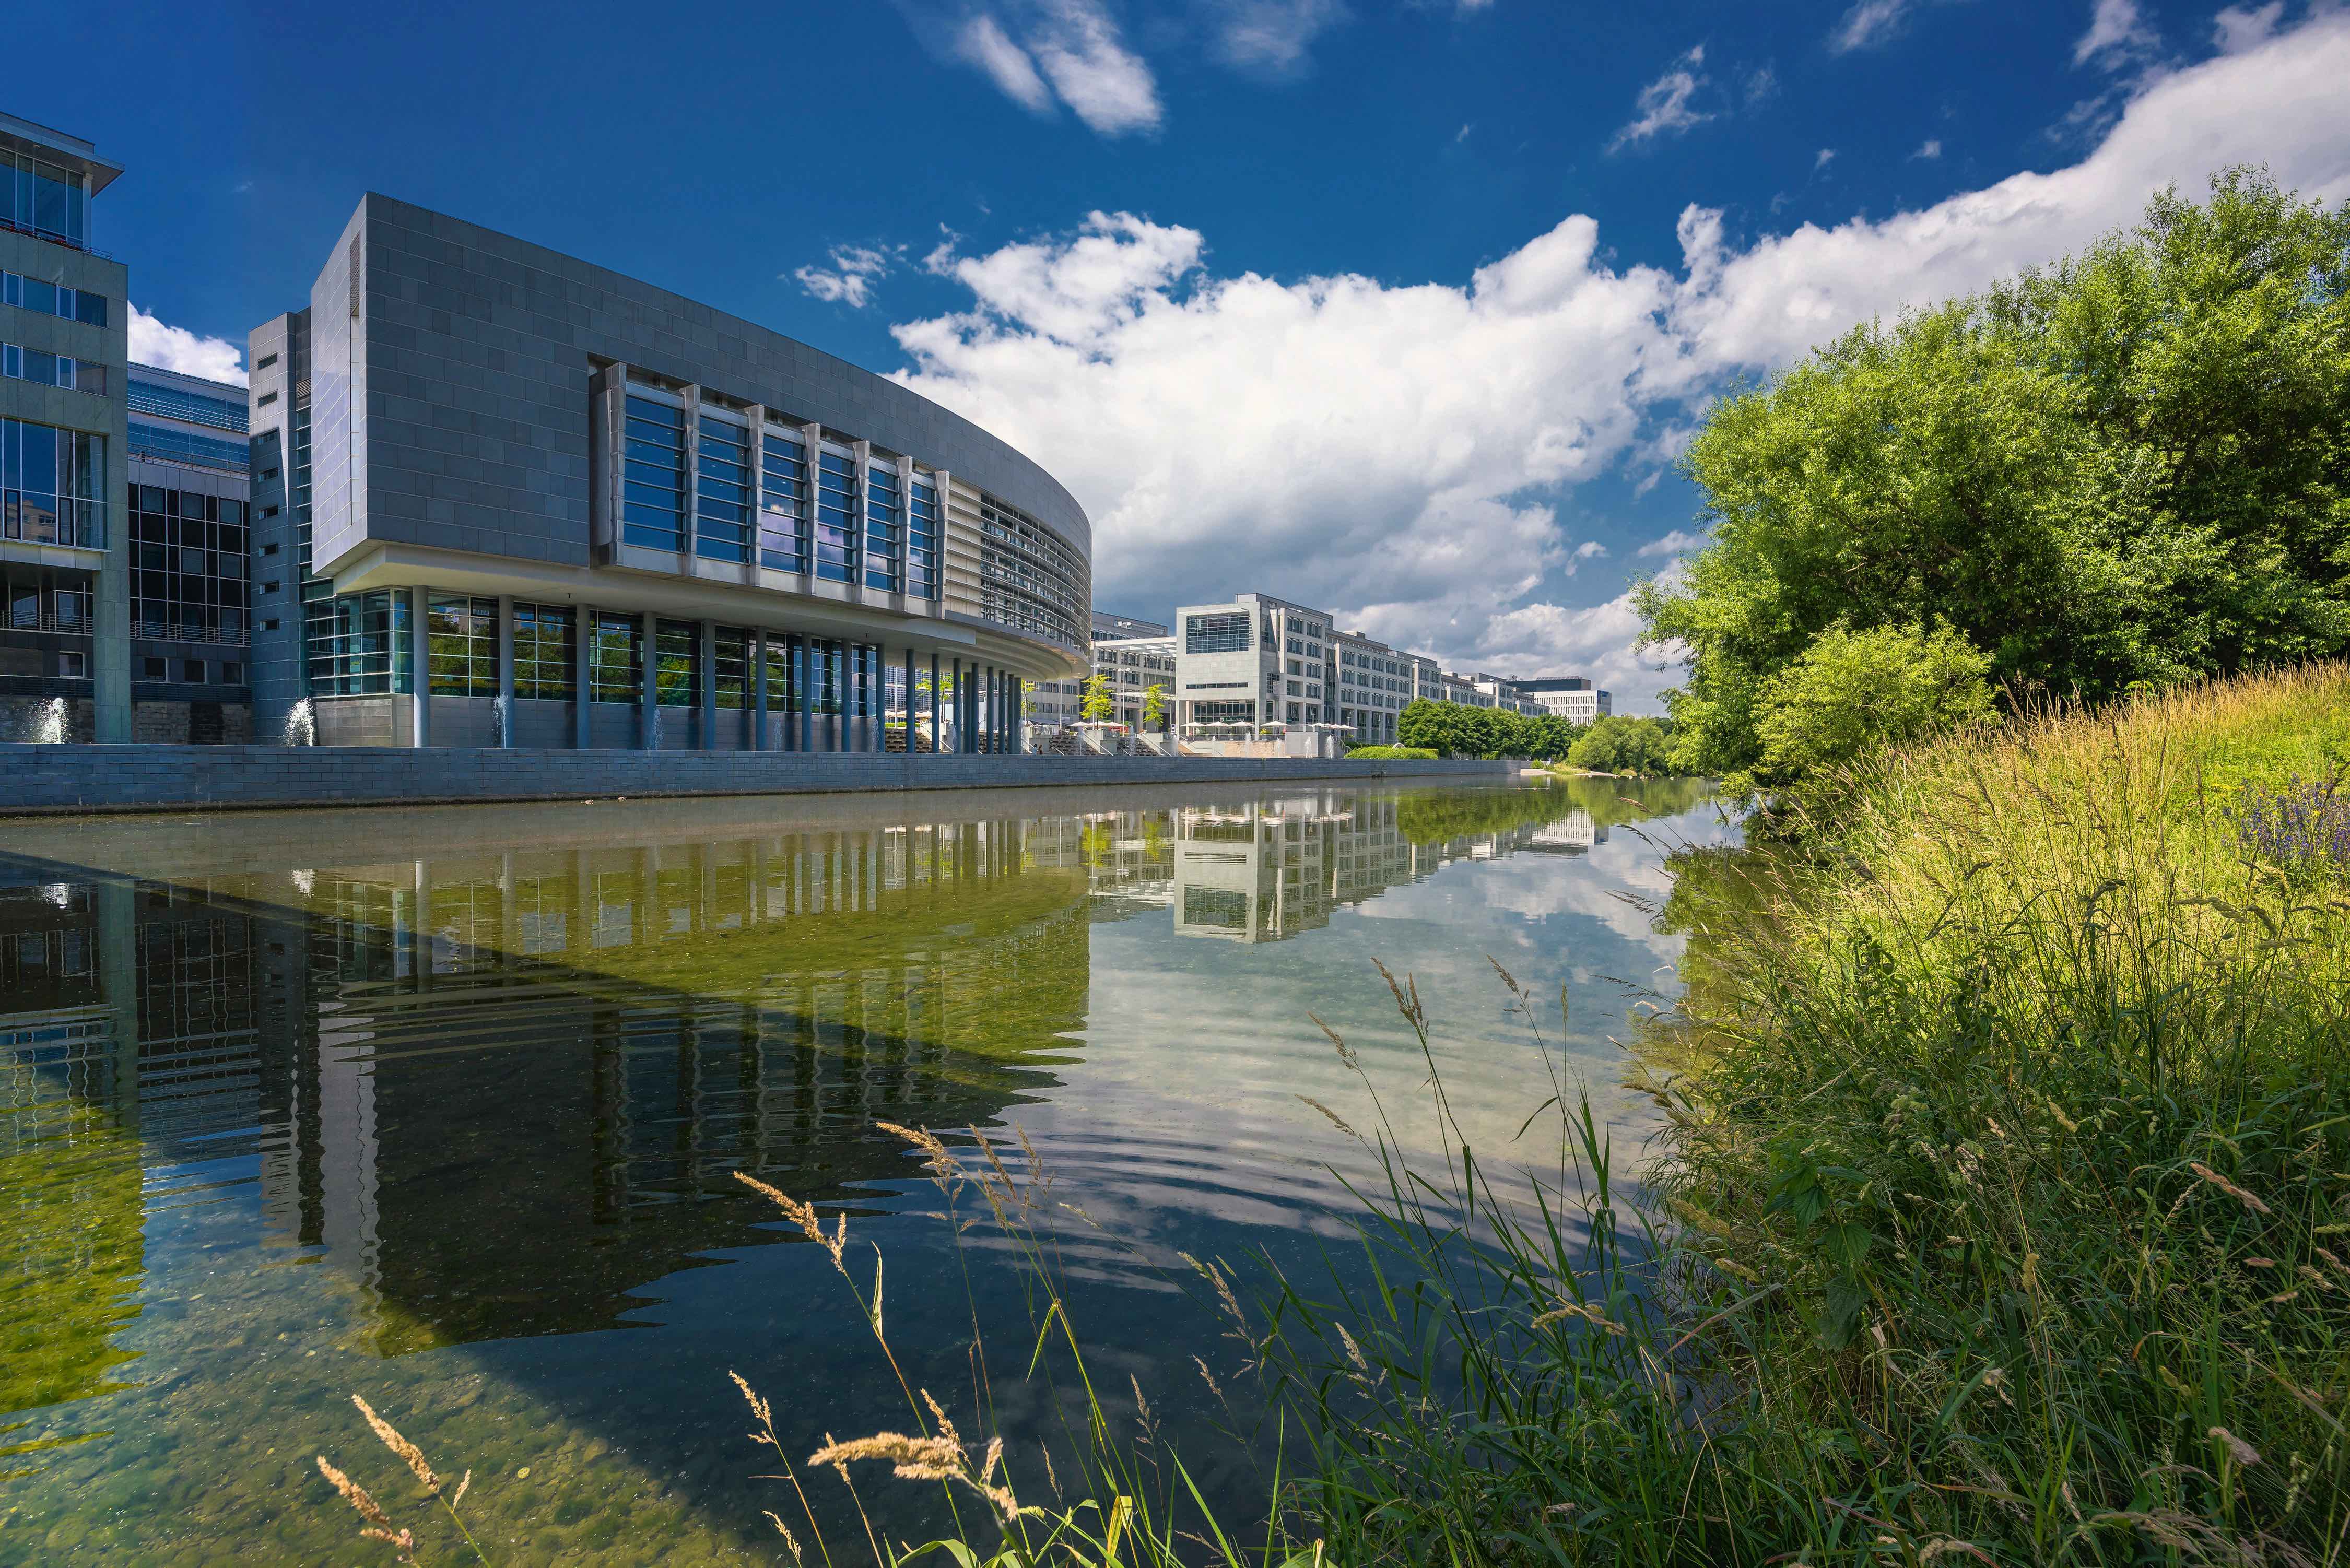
1853 693
1638 748
1154 708
1098 706
2128 468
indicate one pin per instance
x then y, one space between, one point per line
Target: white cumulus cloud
849 280
177 348
1400 454
1680 542
1663 107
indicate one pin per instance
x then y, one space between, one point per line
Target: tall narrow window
730 669
885 526
677 663
782 503
782 693
616 659
722 529
543 644
922 542
653 505
463 646
837 520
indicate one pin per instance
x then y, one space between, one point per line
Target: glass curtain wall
545 644
652 507
41 198
462 649
616 659
188 559
783 505
836 519
52 485
885 529
722 529
922 542
677 663
359 645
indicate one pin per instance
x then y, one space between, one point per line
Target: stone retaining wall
41 779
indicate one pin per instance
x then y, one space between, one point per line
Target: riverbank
2003 1205
79 779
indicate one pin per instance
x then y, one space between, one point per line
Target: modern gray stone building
65 599
503 496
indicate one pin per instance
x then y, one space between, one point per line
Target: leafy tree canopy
1639 748
2131 468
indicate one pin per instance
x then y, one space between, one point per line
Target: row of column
985 709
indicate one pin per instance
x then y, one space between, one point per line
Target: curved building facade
503 496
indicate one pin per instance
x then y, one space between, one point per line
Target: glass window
885 526
721 528
730 668
782 693
153 397
1216 633
677 662
358 644
463 646
782 503
837 520
614 660
922 542
653 501
544 640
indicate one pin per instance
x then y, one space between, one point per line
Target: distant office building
567 508
1132 666
1116 627
1254 661
1053 703
190 559
65 581
1568 696
1370 683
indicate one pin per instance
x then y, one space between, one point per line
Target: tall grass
2003 1215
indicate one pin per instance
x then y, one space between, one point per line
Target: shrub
1637 747
1395 754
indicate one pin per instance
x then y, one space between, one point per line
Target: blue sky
1397 307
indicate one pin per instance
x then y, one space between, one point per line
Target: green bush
1460 729
1395 754
1637 748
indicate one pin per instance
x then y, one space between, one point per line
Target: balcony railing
72 622
189 631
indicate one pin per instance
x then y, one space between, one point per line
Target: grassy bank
2009 1191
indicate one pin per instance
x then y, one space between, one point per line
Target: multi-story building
1254 661
65 648
1055 703
1510 696
505 497
190 546
1369 684
1568 696
1133 666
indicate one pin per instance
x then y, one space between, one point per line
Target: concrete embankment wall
42 779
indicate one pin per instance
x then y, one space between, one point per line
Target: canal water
443 1107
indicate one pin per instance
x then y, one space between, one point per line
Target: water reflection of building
1574 834
1266 870
504 1090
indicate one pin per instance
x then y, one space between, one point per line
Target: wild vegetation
2125 470
1635 748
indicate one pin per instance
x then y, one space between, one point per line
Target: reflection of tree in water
1439 815
1722 893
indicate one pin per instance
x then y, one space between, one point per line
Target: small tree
1633 747
1098 706
1154 708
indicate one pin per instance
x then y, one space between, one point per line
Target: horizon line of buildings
1256 662
480 493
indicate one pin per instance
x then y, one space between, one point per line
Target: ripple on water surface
443 1108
